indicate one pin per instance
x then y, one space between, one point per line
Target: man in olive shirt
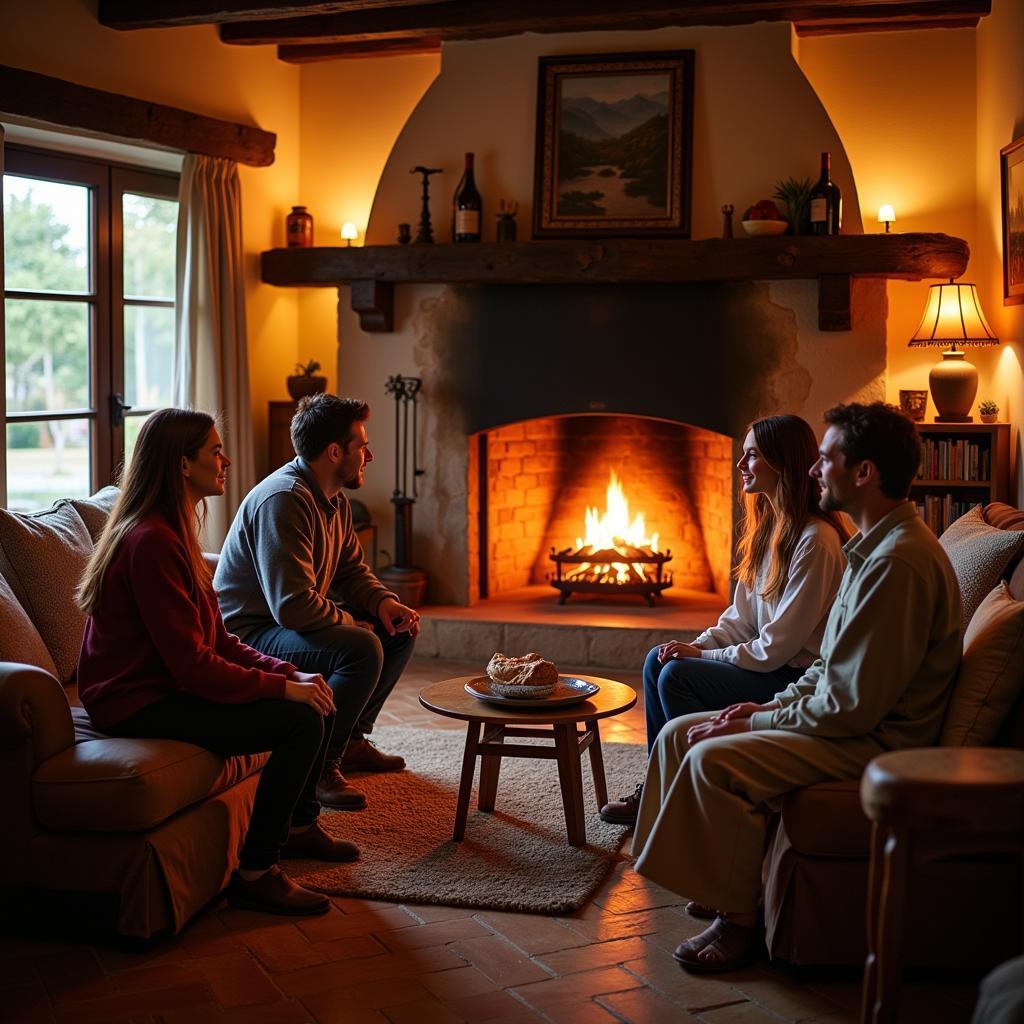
890 651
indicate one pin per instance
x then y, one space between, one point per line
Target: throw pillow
42 556
95 510
991 674
19 639
980 554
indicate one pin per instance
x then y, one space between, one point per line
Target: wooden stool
934 801
499 721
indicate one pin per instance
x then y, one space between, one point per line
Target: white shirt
766 635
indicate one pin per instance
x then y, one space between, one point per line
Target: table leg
466 780
570 778
490 766
875 875
597 765
888 935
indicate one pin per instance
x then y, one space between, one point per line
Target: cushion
980 554
19 639
95 510
42 556
991 674
826 820
104 784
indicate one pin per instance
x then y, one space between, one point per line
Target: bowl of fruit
763 218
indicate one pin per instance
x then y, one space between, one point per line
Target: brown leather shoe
276 893
318 845
333 790
624 810
363 755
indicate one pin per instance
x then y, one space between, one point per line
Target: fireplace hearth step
583 632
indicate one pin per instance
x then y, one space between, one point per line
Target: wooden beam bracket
374 301
834 302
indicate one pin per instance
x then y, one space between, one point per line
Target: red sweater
156 632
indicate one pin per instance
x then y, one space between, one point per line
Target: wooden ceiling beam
478 19
130 14
375 48
55 101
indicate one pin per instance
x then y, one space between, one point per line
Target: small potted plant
305 382
796 197
989 411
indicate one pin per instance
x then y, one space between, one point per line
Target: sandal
734 946
701 910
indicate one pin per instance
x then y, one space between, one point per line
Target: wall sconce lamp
886 216
348 232
953 316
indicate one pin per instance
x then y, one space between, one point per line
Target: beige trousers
703 820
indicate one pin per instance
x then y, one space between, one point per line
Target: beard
829 502
354 482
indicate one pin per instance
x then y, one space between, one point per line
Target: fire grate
623 569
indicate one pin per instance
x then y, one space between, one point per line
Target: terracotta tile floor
370 962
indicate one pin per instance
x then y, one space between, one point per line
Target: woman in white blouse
790 565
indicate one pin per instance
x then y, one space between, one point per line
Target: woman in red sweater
157 662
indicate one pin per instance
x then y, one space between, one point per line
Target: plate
568 690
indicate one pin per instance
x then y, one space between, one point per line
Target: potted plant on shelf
305 382
989 411
796 197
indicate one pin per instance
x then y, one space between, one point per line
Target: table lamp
349 232
953 316
886 216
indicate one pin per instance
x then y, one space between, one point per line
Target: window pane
46 232
132 426
47 355
46 461
150 230
148 351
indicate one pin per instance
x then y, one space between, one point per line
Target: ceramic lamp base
953 383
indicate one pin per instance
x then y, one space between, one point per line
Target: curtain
211 363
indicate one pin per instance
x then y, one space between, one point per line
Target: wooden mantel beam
374 270
55 101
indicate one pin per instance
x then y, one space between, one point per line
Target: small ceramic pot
300 385
989 417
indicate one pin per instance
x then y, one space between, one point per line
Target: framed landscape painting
614 145
1011 167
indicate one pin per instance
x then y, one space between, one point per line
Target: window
89 256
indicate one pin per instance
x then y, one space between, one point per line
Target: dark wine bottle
826 202
467 207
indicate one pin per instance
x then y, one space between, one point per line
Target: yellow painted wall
1000 120
904 105
351 114
191 68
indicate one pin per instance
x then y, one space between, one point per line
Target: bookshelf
963 464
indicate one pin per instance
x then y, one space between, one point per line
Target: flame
613 531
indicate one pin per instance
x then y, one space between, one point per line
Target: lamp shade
953 316
886 214
349 231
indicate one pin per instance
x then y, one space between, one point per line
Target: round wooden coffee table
489 725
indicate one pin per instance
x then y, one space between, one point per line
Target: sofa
119 837
962 912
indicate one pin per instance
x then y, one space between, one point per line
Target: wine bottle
826 202
467 207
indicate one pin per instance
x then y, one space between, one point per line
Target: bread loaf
527 670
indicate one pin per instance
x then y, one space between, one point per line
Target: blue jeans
685 686
360 667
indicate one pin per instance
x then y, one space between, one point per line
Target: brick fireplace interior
534 480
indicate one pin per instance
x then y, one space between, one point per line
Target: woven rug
515 858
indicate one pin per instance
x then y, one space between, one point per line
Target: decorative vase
302 384
953 383
299 228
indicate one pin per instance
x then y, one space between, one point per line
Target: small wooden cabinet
963 464
279 439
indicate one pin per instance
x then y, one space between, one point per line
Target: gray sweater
292 558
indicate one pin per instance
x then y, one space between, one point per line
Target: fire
612 533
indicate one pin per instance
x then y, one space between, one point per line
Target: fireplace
535 481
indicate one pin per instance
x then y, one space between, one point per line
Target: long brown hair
153 481
769 533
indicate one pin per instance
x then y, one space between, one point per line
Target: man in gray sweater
291 582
